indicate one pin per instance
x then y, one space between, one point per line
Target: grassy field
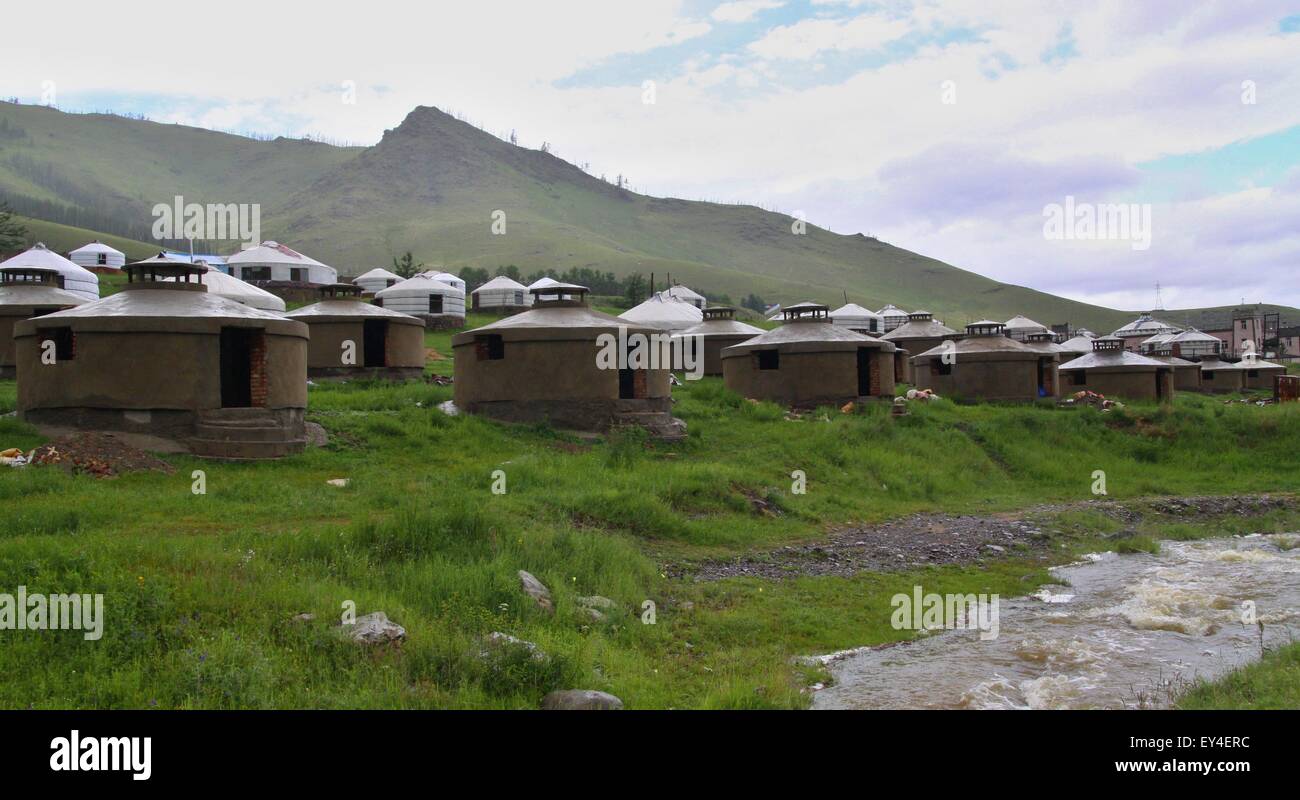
201 590
1271 683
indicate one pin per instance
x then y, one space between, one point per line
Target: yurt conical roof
378 273
33 290
232 288
76 279
549 317
501 282
850 313
721 326
685 293
1023 323
1078 344
420 284
1192 335
1147 325
797 331
664 313
927 328
342 309
272 252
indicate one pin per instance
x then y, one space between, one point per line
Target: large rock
375 628
537 590
581 700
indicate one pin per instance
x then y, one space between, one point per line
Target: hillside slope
432 185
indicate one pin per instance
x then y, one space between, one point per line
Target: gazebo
1112 371
502 295
272 261
351 338
26 293
718 330
72 277
98 257
809 361
986 365
545 365
169 359
439 304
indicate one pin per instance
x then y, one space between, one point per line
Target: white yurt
73 278
98 257
686 295
502 294
664 313
856 318
893 316
376 280
232 288
1192 343
1080 344
1020 326
438 304
272 261
444 277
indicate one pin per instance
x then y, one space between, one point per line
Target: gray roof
1078 344
338 310
720 327
982 344
558 317
38 295
809 333
1174 361
160 303
1100 359
919 329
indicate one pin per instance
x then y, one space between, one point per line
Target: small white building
892 316
98 257
664 313
686 295
377 280
439 304
272 261
1019 327
232 288
72 277
1192 344
502 294
444 277
856 318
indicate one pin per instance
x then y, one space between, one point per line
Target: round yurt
98 257
664 313
439 304
443 277
1259 374
1143 328
1112 371
351 338
859 319
1220 376
272 261
892 316
809 361
921 332
1192 344
1019 326
1155 344
686 295
169 359
986 365
717 330
222 285
27 293
562 363
1078 345
501 295
1187 374
72 277
376 280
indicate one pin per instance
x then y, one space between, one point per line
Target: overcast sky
942 126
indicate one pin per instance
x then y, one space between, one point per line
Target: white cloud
743 10
808 38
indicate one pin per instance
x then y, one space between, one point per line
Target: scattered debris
448 407
339 482
923 395
100 454
1090 398
581 700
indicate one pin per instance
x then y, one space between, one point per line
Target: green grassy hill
62 238
431 186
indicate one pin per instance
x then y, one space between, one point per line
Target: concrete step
240 433
241 450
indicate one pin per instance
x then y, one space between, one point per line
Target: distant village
205 350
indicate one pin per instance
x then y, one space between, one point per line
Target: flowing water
1123 633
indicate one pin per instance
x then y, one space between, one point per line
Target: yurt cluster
201 350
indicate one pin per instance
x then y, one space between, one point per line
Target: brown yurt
551 364
986 365
719 329
1259 374
1114 372
351 338
1187 374
27 292
920 333
1220 376
169 359
810 361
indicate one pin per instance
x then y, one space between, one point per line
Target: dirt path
934 539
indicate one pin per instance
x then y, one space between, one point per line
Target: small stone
496 641
375 628
581 700
596 601
304 617
339 482
536 590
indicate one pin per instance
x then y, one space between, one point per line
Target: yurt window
65 348
390 282
490 347
769 359
257 273
519 298
1252 373
297 274
101 259
435 304
1080 377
